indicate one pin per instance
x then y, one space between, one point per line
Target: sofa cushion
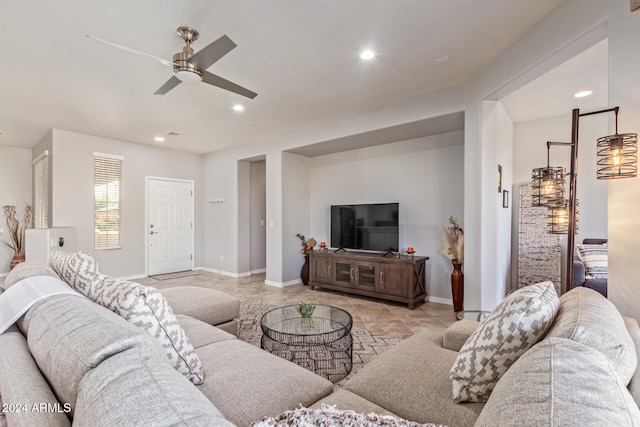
27 269
276 385
634 332
23 384
411 380
595 259
587 317
560 382
137 389
458 333
210 306
200 333
68 336
78 269
518 323
146 308
344 399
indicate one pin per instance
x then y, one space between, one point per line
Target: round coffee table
321 343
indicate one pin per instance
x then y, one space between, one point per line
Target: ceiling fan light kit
191 67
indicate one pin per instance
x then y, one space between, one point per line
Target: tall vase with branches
17 231
452 246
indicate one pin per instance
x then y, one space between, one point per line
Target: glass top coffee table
321 343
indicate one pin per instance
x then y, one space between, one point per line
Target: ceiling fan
192 67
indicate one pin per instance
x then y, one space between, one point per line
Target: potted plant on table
17 232
452 246
307 246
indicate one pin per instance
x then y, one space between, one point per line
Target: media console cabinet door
320 269
393 279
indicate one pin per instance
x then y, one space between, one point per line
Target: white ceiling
300 56
552 94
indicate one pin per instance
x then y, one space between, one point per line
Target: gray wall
74 196
258 209
425 176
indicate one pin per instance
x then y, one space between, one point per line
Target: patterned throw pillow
595 259
519 322
144 307
78 269
147 308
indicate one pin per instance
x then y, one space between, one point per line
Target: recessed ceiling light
443 60
367 54
583 93
238 107
159 139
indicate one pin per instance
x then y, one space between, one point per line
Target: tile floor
384 317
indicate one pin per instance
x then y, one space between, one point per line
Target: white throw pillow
143 306
518 323
595 259
78 269
147 308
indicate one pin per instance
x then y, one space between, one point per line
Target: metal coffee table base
332 361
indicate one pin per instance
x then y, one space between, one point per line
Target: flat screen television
372 227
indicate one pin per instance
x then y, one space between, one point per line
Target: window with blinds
107 180
41 191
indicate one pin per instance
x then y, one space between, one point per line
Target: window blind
107 179
41 191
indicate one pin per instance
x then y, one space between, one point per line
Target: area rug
366 344
177 275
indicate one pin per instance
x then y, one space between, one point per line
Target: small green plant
305 309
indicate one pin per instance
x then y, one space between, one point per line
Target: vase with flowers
452 246
17 232
307 246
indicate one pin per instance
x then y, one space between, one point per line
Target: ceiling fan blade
168 85
128 49
218 81
209 54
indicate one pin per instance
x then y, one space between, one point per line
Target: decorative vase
457 286
17 259
304 273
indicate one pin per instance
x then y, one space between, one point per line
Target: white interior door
169 226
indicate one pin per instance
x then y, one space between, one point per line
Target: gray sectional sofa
99 369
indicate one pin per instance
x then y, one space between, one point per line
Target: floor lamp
617 158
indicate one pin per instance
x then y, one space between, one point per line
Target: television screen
372 227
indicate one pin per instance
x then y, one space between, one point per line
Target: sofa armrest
458 333
579 273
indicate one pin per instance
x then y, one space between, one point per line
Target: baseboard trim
440 300
224 273
258 271
282 284
134 277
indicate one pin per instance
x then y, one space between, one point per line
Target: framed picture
499 178
505 199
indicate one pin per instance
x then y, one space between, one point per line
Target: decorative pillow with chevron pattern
517 324
147 308
143 306
78 269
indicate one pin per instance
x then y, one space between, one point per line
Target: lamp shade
618 156
548 186
558 219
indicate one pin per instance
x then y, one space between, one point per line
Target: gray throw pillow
516 325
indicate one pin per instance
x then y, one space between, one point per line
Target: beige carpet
366 345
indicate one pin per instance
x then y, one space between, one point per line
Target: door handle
153 232
352 272
381 277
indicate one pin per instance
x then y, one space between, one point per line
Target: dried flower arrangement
17 230
452 242
307 245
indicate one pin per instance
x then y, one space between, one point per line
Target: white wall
425 176
73 194
15 189
562 34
